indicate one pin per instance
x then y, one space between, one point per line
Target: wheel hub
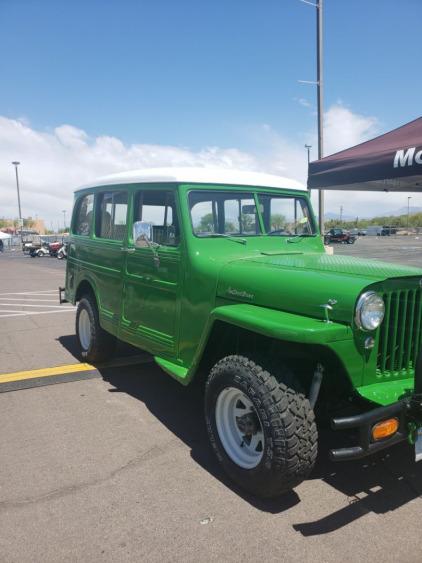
247 424
239 428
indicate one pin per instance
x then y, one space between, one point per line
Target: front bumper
408 411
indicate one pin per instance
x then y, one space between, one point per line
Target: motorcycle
54 247
40 251
62 252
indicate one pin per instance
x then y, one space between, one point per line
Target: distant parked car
374 230
358 232
339 235
388 230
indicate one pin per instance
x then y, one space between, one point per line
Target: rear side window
159 208
111 215
83 217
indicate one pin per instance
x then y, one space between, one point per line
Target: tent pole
319 8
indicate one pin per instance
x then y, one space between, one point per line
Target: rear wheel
262 430
96 344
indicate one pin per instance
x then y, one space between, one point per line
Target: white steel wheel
239 428
84 329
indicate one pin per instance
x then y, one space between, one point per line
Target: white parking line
29 313
42 292
29 305
8 311
24 301
30 299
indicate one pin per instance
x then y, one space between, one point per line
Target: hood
301 283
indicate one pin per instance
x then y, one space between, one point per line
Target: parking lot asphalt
113 464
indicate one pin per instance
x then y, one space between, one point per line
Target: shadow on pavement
70 343
180 409
379 484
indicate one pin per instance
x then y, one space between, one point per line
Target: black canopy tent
390 162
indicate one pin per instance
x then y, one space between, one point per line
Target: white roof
198 176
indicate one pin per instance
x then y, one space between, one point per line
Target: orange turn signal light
385 428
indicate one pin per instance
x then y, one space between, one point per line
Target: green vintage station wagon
223 277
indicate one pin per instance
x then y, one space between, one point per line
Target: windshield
286 215
237 214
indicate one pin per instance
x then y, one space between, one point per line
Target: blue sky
203 73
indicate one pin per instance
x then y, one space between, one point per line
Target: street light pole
16 164
320 92
64 219
308 148
408 211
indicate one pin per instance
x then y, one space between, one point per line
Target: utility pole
16 164
341 214
308 148
320 91
64 219
408 211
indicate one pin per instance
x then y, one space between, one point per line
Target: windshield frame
254 194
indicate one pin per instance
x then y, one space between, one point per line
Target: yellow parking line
72 368
45 372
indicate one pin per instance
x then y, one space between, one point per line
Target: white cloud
303 102
56 162
343 129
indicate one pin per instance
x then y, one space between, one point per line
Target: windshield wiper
230 237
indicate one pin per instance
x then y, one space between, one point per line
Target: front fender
281 325
267 322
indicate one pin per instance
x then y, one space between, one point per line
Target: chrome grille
400 333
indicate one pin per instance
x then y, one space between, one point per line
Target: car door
152 275
107 257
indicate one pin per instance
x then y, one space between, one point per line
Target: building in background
11 226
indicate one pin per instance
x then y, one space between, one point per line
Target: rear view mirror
142 234
251 209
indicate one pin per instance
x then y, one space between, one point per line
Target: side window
83 216
159 208
111 215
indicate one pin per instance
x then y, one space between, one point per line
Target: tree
229 227
278 221
206 224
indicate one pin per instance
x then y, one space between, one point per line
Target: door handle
129 250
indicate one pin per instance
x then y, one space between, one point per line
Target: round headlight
369 311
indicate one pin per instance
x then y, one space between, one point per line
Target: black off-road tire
102 344
288 423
